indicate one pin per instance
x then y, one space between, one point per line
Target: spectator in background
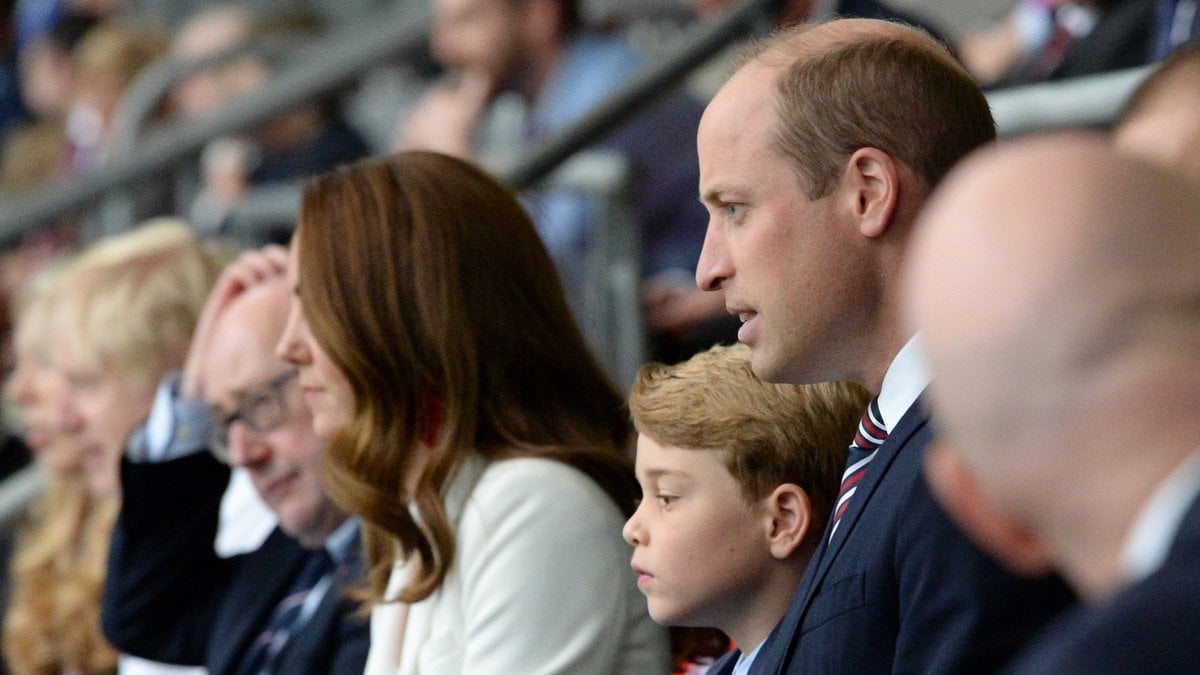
53 621
1176 23
47 68
1089 332
532 60
288 148
470 427
123 314
169 596
107 59
11 110
1044 40
1159 121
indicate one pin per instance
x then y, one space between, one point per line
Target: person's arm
545 576
164 578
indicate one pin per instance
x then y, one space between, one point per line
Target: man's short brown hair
858 83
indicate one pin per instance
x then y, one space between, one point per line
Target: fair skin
1166 132
48 422
807 277
285 463
110 405
1089 325
326 390
704 554
489 46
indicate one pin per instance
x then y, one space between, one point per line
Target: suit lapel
262 580
301 649
782 640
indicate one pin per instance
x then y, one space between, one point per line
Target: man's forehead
743 107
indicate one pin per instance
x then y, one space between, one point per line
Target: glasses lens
261 411
218 439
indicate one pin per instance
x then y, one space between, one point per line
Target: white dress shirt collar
1154 530
906 378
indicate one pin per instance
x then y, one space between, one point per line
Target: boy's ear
993 530
788 516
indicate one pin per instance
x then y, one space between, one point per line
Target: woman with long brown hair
471 428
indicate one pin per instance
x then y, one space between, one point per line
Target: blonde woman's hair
57 576
131 302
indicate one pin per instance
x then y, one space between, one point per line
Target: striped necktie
287 617
871 434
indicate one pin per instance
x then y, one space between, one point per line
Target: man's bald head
1046 265
1055 284
244 335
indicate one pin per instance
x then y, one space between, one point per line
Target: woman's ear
788 515
872 181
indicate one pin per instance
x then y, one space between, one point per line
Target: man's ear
955 487
788 515
872 185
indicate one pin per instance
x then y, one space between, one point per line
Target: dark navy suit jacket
902 589
170 598
1151 627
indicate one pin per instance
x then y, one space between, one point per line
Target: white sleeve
546 582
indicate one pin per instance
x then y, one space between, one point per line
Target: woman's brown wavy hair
425 282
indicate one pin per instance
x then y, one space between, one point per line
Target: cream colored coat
540 583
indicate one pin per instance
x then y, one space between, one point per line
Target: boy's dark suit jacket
902 589
170 598
1150 627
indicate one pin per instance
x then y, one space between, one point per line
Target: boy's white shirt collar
742 667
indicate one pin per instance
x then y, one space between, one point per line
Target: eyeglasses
262 409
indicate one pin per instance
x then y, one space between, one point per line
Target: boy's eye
664 500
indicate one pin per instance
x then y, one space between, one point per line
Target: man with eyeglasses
169 596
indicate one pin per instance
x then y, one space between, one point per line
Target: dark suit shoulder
1149 627
906 591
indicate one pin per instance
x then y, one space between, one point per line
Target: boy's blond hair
766 434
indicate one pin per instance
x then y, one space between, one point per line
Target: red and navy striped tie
871 434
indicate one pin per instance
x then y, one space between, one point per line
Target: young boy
738 478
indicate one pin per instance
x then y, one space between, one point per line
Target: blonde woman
114 321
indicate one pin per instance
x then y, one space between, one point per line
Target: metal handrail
697 46
152 84
1089 101
329 63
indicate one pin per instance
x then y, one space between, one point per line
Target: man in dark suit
815 159
1068 398
169 597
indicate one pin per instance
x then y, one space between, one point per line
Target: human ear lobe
873 180
1006 540
789 516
